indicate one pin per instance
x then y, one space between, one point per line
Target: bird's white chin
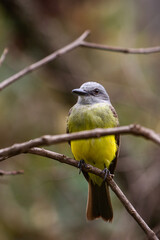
89 100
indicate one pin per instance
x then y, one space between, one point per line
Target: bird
94 110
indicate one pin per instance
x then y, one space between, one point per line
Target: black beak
79 91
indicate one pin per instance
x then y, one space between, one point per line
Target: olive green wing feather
117 138
67 128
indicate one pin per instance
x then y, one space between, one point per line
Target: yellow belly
97 152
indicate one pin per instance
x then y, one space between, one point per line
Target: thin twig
88 168
2 173
3 56
136 130
44 61
121 49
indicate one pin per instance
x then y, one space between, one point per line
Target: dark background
49 200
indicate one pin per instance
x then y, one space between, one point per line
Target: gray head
91 93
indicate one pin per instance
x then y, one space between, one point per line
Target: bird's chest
90 117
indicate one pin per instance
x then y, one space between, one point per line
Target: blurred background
49 200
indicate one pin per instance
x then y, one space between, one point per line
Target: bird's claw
106 174
80 165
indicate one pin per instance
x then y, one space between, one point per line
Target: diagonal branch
89 168
44 61
136 130
121 49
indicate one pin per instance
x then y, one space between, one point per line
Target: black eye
96 91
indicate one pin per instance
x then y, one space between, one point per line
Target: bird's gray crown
91 93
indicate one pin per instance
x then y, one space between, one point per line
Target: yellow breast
98 152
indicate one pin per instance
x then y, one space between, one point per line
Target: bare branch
136 130
120 49
3 56
77 43
89 168
2 173
29 146
44 61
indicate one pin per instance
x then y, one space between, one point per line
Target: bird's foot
80 165
107 174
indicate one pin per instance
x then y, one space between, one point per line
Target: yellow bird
94 110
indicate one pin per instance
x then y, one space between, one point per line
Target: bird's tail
99 203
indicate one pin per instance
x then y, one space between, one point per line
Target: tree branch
44 61
89 168
3 56
79 42
27 147
120 49
2 173
136 130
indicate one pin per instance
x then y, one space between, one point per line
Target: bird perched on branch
94 110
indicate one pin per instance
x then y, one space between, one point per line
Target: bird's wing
67 128
117 138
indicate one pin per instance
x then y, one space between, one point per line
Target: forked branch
29 146
89 168
79 42
44 61
136 130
